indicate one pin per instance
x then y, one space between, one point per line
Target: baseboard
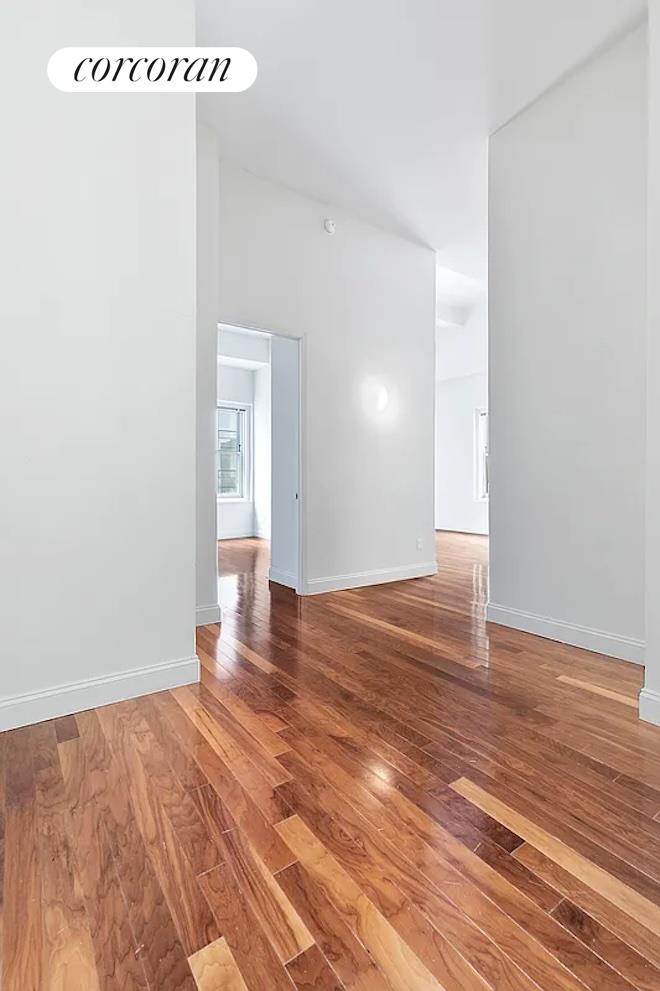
649 706
282 578
238 535
335 583
598 641
24 710
207 615
462 533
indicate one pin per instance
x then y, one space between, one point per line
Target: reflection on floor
369 790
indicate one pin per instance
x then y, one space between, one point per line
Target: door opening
258 458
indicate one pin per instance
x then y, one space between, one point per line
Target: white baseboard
468 533
611 644
24 710
237 535
649 706
335 583
206 615
282 577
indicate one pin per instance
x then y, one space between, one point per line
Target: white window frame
247 449
481 455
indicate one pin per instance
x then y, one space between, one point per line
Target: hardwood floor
369 790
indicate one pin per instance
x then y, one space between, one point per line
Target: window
232 450
481 479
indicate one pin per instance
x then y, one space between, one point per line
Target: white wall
364 301
533 44
208 610
236 516
649 706
567 351
97 370
456 508
235 385
236 345
461 389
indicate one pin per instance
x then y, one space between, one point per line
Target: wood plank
215 969
333 936
252 722
255 958
537 946
68 951
230 753
606 837
243 810
116 950
197 844
526 881
641 974
4 737
249 738
279 920
311 972
627 899
160 949
627 928
21 957
66 728
214 814
182 763
401 966
599 690
188 908
398 632
273 721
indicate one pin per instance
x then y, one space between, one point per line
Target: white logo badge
152 70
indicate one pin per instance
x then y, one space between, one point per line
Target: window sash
232 479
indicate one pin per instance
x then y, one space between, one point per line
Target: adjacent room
258 457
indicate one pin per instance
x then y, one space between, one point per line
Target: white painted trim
282 577
649 706
598 641
335 583
302 470
238 534
23 710
207 615
467 533
248 460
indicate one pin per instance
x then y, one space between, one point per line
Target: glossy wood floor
369 790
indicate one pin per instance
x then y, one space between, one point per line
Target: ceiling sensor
329 226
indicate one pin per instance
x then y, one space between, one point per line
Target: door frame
302 379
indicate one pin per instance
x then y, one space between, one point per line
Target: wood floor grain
370 790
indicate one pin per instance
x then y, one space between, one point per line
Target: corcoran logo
152 70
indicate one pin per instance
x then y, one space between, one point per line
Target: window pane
229 452
229 429
228 419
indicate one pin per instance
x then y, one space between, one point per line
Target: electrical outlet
419 543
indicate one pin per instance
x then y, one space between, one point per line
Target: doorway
258 458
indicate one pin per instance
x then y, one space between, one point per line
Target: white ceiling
383 107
